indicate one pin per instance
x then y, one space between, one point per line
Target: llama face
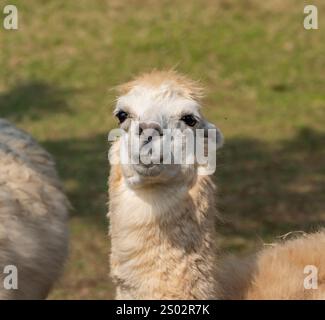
161 135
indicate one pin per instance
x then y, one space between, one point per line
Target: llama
33 216
163 216
283 271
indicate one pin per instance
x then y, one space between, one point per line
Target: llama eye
121 116
190 120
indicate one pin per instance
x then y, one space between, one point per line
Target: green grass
265 80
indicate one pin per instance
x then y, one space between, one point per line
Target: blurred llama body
33 215
280 272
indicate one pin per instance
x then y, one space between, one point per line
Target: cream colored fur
163 240
276 272
33 215
163 235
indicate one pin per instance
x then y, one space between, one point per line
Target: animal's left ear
213 140
210 127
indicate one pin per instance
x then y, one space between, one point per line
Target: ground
264 76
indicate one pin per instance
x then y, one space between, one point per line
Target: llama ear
210 127
213 140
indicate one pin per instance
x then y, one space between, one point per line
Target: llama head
163 130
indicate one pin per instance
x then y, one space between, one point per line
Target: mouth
148 170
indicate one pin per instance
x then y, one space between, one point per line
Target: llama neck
163 242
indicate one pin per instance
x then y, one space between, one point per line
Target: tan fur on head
185 87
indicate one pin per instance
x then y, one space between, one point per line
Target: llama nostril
149 138
153 126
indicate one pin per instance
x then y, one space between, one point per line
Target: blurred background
265 88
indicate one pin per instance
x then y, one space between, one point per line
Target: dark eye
190 120
121 116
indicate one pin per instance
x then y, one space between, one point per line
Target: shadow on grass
264 190
83 165
32 100
268 190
